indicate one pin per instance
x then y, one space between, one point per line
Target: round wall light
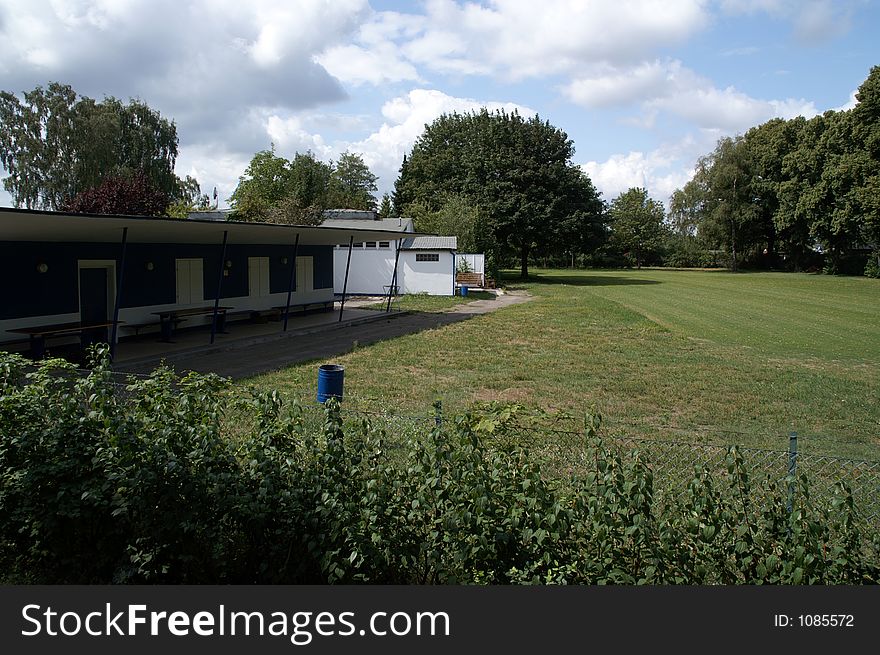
42 267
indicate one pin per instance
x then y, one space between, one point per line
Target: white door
305 275
190 281
258 277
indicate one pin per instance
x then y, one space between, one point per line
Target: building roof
352 214
391 224
430 243
34 225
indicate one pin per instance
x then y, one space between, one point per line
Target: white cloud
356 65
671 87
511 39
661 171
212 166
849 104
205 62
621 87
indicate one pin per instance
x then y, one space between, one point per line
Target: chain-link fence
675 463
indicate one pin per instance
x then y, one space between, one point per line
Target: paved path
248 358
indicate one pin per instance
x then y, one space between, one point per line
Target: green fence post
438 412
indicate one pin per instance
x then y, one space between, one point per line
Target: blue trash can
330 381
464 290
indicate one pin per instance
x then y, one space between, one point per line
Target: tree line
792 194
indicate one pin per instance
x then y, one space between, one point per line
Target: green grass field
688 355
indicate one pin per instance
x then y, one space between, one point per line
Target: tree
518 172
385 209
262 186
127 196
352 184
637 224
55 145
456 217
866 131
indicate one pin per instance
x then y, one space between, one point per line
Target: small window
384 244
371 244
358 245
427 257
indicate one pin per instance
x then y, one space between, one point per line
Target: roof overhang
31 225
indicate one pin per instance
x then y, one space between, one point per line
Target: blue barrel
330 381
464 290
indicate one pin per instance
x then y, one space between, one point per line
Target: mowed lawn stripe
792 321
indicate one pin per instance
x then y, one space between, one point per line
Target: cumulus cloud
206 63
671 87
356 65
657 171
510 39
615 87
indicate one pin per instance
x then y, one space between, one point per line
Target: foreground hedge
178 480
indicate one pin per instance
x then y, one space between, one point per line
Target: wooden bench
470 280
171 318
323 305
39 333
137 327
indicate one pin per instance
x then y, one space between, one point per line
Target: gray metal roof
391 224
430 243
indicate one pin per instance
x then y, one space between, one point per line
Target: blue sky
643 88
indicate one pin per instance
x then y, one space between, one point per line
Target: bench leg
38 346
167 328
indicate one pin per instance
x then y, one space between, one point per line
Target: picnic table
39 333
169 318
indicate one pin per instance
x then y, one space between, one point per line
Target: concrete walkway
246 357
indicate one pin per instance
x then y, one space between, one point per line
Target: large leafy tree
866 132
55 144
637 224
517 171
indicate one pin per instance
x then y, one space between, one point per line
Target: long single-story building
124 272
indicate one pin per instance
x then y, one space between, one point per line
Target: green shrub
170 480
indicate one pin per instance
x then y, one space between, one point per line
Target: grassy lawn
422 302
687 355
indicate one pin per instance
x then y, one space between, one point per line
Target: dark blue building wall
24 291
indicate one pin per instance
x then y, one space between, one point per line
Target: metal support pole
291 285
219 286
345 284
393 286
119 278
792 468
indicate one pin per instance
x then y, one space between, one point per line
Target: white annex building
424 264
